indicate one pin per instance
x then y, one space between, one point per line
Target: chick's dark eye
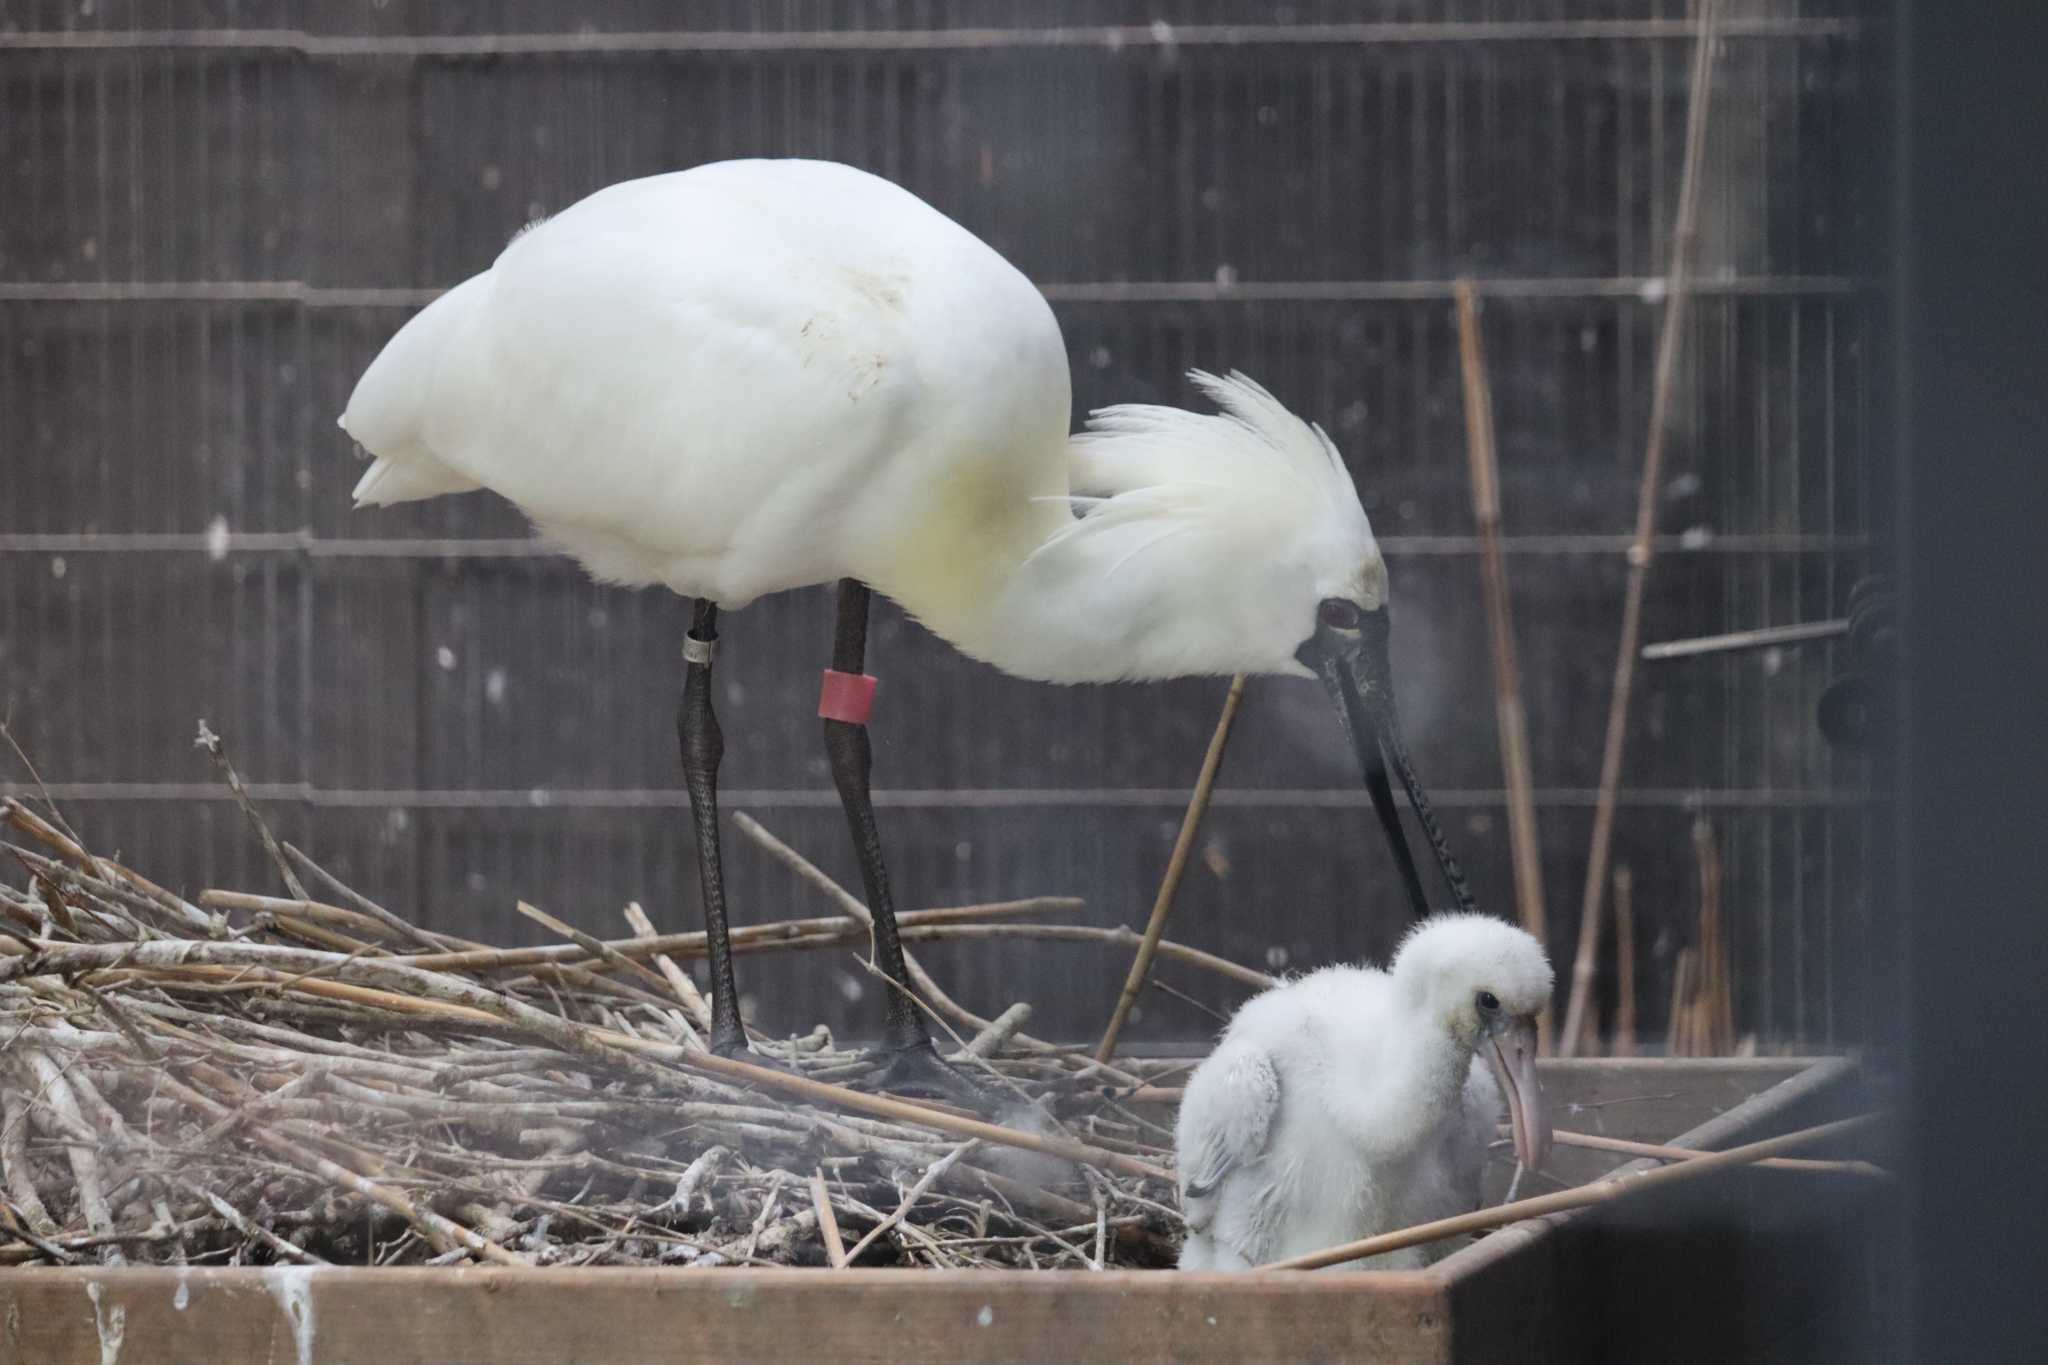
1338 614
1487 1001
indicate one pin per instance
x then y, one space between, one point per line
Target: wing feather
1226 1120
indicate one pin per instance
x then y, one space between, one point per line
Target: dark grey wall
208 230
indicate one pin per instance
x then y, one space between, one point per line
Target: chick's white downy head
1484 982
1472 973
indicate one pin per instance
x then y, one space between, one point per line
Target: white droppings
1695 537
1162 32
183 1298
445 657
293 1287
111 1325
1226 276
986 1316
58 568
1276 956
1653 290
217 539
494 687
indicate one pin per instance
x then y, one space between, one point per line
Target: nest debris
260 1080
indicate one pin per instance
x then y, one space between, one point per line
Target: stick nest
258 1080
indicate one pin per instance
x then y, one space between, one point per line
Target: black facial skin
1349 653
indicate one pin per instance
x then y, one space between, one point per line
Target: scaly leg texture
911 1063
703 746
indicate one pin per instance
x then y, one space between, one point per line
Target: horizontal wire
527 548
1648 289
1112 37
985 798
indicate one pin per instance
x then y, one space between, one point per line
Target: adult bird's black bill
1349 653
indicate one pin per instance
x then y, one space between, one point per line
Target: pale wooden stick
694 1004
216 750
1716 994
1678 1032
1176 867
289 1250
457 998
991 1039
745 938
19 1179
1599 1192
442 1232
920 982
396 923
917 1191
592 945
828 1222
83 1156
1624 962
1601 1143
1649 491
1510 717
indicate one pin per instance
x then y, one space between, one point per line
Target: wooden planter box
1750 1265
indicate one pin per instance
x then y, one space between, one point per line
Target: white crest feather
1253 470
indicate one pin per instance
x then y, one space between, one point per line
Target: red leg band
847 696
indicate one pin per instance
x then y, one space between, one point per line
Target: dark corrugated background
201 246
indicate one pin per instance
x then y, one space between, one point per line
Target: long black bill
1353 666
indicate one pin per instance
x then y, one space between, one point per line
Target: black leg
846 744
703 746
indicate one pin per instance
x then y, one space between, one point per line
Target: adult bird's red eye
1338 613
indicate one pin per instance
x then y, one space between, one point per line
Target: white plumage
1354 1101
758 375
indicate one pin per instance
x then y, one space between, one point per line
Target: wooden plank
1578 1287
1597 1285
512 1317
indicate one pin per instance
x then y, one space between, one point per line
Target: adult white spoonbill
758 375
1352 1101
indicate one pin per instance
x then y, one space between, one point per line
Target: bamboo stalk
745 938
1605 1191
1678 1041
1649 487
1624 962
828 1222
695 1006
1066 933
1510 716
592 945
920 980
1716 992
1176 867
1601 1143
438 993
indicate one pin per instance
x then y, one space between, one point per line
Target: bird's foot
917 1070
734 1049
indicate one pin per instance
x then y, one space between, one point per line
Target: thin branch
1511 719
1663 386
1176 867
1582 1196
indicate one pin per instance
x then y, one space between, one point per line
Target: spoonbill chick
1353 1101
760 375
